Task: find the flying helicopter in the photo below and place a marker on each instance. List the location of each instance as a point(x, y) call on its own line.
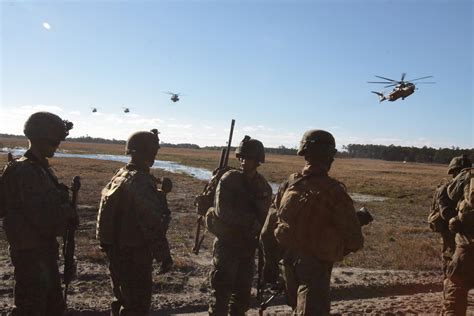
point(402, 88)
point(126, 110)
point(94, 110)
point(174, 96)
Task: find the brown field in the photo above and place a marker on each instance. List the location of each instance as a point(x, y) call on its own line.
point(398, 239)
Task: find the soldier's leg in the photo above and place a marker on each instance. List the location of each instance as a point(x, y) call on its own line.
point(460, 280)
point(241, 292)
point(291, 283)
point(314, 278)
point(115, 282)
point(55, 299)
point(222, 278)
point(36, 285)
point(449, 246)
point(136, 281)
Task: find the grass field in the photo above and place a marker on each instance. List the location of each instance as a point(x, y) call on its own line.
point(399, 238)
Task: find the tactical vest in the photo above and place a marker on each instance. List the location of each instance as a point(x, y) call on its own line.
point(3, 174)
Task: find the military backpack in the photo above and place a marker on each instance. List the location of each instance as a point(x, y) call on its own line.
point(436, 222)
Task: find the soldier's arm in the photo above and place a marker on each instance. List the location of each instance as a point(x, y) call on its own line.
point(43, 205)
point(345, 219)
point(447, 207)
point(152, 213)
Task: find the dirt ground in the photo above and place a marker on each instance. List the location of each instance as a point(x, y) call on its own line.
point(397, 273)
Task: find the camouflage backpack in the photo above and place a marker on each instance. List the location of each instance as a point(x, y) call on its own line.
point(436, 222)
point(205, 200)
point(109, 215)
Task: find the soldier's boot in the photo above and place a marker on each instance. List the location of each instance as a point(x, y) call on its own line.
point(455, 298)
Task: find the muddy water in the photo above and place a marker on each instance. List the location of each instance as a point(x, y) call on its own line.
point(174, 167)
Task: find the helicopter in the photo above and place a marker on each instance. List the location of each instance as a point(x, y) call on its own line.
point(94, 110)
point(174, 96)
point(126, 110)
point(402, 88)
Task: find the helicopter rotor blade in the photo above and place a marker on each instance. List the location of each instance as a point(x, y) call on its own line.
point(378, 82)
point(403, 76)
point(429, 82)
point(421, 78)
point(391, 85)
point(386, 79)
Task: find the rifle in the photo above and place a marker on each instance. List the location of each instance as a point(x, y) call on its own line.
point(265, 304)
point(260, 273)
point(9, 157)
point(223, 161)
point(69, 241)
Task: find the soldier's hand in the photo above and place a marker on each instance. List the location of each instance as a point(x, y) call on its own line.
point(166, 265)
point(455, 225)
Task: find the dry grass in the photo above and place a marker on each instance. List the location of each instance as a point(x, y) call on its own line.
point(399, 237)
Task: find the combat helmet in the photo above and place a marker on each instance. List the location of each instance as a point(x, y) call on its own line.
point(142, 142)
point(46, 125)
point(317, 141)
point(251, 149)
point(459, 163)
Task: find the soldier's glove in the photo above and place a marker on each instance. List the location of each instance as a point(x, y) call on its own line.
point(364, 216)
point(166, 265)
point(455, 225)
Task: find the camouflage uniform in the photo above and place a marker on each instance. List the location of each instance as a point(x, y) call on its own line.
point(240, 208)
point(37, 211)
point(316, 226)
point(133, 237)
point(460, 271)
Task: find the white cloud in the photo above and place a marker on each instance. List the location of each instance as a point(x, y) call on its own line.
point(75, 113)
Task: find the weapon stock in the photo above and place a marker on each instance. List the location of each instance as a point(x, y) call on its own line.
point(223, 161)
point(69, 240)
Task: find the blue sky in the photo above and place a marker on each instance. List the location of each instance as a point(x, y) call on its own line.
point(277, 67)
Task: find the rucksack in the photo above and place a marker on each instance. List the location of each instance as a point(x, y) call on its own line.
point(109, 214)
point(205, 200)
point(436, 222)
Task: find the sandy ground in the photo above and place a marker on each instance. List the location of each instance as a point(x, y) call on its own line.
point(185, 290)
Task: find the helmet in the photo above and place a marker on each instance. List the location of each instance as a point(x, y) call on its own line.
point(251, 149)
point(143, 142)
point(317, 140)
point(459, 163)
point(46, 125)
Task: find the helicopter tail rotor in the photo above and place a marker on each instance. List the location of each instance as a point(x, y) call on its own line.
point(381, 96)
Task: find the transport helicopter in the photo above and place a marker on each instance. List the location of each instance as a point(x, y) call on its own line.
point(94, 110)
point(126, 110)
point(174, 96)
point(402, 88)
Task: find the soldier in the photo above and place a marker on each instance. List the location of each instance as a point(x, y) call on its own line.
point(316, 225)
point(460, 272)
point(132, 222)
point(37, 210)
point(241, 205)
point(443, 209)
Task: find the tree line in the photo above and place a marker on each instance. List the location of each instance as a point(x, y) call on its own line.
point(383, 152)
point(409, 154)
